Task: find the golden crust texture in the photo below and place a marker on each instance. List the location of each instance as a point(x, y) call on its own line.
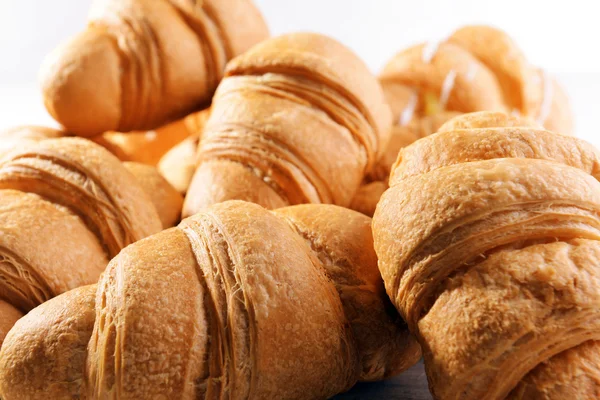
point(477, 68)
point(23, 135)
point(140, 64)
point(66, 207)
point(166, 199)
point(258, 304)
point(298, 119)
point(488, 243)
point(148, 147)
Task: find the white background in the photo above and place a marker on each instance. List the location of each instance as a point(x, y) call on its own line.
point(561, 36)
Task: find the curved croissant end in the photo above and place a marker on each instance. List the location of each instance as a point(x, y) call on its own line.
point(261, 143)
point(489, 245)
point(66, 207)
point(140, 64)
point(233, 302)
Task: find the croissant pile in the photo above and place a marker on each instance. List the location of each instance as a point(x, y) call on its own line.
point(224, 214)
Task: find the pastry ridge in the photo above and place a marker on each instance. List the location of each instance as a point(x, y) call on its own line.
point(491, 231)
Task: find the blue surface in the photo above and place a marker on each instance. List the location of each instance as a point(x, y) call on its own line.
point(411, 385)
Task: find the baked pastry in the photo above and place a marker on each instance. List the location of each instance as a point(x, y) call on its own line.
point(376, 182)
point(13, 137)
point(477, 68)
point(166, 199)
point(67, 206)
point(286, 304)
point(488, 243)
point(148, 147)
point(179, 164)
point(261, 143)
point(140, 64)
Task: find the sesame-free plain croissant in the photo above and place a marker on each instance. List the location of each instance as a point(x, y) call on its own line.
point(27, 134)
point(67, 206)
point(297, 119)
point(142, 63)
point(164, 196)
point(178, 165)
point(489, 245)
point(236, 302)
point(477, 68)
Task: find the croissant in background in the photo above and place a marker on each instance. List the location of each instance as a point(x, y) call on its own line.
point(488, 243)
point(140, 64)
point(477, 68)
point(298, 119)
point(67, 206)
point(237, 302)
point(166, 199)
point(179, 164)
point(148, 147)
point(22, 135)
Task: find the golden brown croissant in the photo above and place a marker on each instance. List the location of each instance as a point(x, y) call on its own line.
point(166, 199)
point(148, 147)
point(21, 135)
point(141, 63)
point(477, 68)
point(237, 302)
point(298, 119)
point(488, 243)
point(66, 207)
point(179, 164)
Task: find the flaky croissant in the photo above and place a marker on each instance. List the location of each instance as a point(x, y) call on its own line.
point(488, 243)
point(141, 63)
point(298, 119)
point(179, 164)
point(20, 135)
point(237, 302)
point(164, 196)
point(66, 207)
point(477, 68)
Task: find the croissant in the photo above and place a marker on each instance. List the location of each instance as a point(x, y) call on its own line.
point(10, 138)
point(165, 198)
point(488, 243)
point(477, 68)
point(179, 164)
point(376, 182)
point(237, 302)
point(140, 63)
point(66, 207)
point(298, 119)
point(148, 147)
